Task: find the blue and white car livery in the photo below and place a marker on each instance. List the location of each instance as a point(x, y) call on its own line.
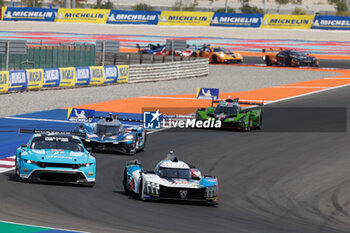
point(54, 157)
point(171, 179)
point(108, 133)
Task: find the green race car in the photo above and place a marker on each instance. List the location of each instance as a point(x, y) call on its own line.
point(232, 115)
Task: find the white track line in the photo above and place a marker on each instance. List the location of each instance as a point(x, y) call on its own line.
point(300, 87)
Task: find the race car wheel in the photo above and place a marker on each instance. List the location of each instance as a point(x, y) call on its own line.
point(250, 125)
point(268, 61)
point(214, 59)
point(131, 150)
point(17, 170)
point(287, 62)
point(144, 141)
point(260, 122)
point(194, 55)
point(126, 190)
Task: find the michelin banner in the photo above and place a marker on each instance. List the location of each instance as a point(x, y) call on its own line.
point(51, 78)
point(97, 75)
point(236, 20)
point(111, 74)
point(287, 21)
point(133, 17)
point(35, 78)
point(123, 73)
point(17, 80)
point(331, 22)
point(186, 18)
point(82, 15)
point(82, 76)
point(31, 14)
point(4, 81)
point(67, 77)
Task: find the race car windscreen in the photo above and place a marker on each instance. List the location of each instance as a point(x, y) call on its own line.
point(57, 142)
point(220, 50)
point(103, 129)
point(233, 109)
point(179, 173)
point(297, 53)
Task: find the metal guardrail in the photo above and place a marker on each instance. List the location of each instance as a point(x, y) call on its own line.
point(168, 71)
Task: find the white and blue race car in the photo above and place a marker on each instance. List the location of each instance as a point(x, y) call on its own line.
point(52, 156)
point(171, 179)
point(109, 134)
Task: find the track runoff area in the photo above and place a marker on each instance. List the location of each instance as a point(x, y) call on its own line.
point(132, 107)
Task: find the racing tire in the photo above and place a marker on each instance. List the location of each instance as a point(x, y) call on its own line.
point(126, 190)
point(131, 150)
point(268, 61)
point(260, 122)
point(287, 62)
point(194, 55)
point(144, 142)
point(250, 126)
point(214, 59)
point(17, 172)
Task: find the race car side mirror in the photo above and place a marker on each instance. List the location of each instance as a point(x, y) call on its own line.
point(24, 146)
point(89, 149)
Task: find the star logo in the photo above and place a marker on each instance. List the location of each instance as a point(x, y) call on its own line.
point(151, 120)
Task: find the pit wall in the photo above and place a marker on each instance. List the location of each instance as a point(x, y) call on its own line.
point(182, 18)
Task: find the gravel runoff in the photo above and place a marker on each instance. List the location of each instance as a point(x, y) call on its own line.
point(187, 31)
point(227, 78)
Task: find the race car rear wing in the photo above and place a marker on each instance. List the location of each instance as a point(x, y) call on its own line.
point(112, 117)
point(236, 100)
point(272, 50)
point(49, 131)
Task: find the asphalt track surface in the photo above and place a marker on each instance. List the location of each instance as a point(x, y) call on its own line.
point(269, 182)
point(324, 63)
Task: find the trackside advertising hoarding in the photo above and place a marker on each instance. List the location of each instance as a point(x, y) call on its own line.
point(17, 80)
point(35, 78)
point(331, 22)
point(185, 18)
point(51, 77)
point(82, 15)
point(82, 76)
point(133, 17)
point(236, 20)
point(67, 77)
point(4, 81)
point(287, 21)
point(28, 14)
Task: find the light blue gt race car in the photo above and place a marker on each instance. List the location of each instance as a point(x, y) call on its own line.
point(57, 157)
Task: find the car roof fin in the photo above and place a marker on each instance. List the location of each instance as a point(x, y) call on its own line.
point(171, 156)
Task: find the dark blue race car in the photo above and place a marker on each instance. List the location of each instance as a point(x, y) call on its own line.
point(109, 134)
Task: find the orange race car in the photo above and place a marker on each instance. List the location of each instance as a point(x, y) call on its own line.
point(217, 54)
point(288, 57)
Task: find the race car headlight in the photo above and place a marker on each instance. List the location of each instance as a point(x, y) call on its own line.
point(32, 162)
point(129, 137)
point(152, 188)
point(211, 191)
point(238, 54)
point(222, 55)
